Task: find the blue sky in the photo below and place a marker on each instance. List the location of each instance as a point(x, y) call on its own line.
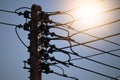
point(13, 53)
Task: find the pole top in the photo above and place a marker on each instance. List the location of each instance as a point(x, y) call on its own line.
point(36, 7)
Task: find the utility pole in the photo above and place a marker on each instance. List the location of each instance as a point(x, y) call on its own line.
point(35, 47)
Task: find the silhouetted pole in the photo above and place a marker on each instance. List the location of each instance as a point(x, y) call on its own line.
point(35, 70)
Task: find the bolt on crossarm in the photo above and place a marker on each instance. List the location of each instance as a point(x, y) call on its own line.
point(35, 71)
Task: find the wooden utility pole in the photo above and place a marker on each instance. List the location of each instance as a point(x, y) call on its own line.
point(35, 47)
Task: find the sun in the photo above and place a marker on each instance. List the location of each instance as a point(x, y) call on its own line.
point(89, 15)
point(88, 12)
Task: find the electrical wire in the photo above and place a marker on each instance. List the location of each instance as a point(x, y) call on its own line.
point(111, 42)
point(101, 13)
point(63, 72)
point(74, 53)
point(94, 60)
point(118, 76)
point(95, 55)
point(92, 47)
point(68, 33)
point(60, 13)
point(96, 37)
point(20, 38)
point(104, 12)
point(59, 37)
point(64, 38)
point(97, 49)
point(93, 72)
point(19, 13)
point(102, 38)
point(98, 61)
point(71, 47)
point(22, 8)
point(9, 24)
point(58, 61)
point(67, 38)
point(108, 11)
point(65, 52)
point(99, 26)
point(87, 5)
point(65, 25)
point(16, 26)
point(2, 10)
point(64, 75)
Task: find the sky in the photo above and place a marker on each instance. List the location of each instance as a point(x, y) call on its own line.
point(13, 53)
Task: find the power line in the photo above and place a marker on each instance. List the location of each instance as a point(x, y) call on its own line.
point(94, 72)
point(7, 11)
point(53, 48)
point(2, 10)
point(22, 8)
point(95, 55)
point(103, 52)
point(9, 24)
point(16, 26)
point(20, 38)
point(74, 53)
point(64, 75)
point(104, 12)
point(92, 59)
point(102, 38)
point(70, 27)
point(94, 27)
point(87, 5)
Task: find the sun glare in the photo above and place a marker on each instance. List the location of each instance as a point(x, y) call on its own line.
point(88, 14)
